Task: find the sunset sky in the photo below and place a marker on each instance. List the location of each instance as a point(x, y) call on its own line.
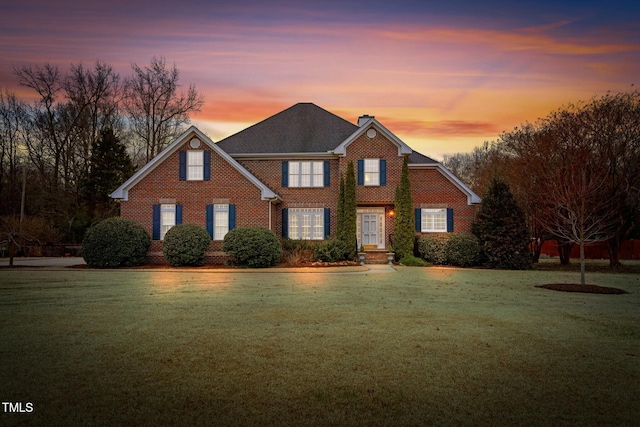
point(444, 76)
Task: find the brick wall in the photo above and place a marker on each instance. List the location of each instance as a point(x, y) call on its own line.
point(430, 188)
point(226, 183)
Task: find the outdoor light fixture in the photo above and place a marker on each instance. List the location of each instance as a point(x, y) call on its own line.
point(392, 213)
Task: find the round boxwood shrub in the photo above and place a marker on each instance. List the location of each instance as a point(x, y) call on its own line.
point(432, 248)
point(462, 250)
point(185, 244)
point(115, 242)
point(252, 246)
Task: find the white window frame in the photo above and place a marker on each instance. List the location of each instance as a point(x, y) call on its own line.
point(372, 172)
point(195, 165)
point(306, 223)
point(433, 220)
point(167, 218)
point(306, 174)
point(220, 220)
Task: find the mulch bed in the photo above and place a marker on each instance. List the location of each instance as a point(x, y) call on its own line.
point(588, 289)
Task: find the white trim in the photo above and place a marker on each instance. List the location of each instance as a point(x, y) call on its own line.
point(122, 192)
point(373, 123)
point(472, 197)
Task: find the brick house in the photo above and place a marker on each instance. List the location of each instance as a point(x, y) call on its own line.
point(283, 174)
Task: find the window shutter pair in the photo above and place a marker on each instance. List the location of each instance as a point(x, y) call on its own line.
point(210, 219)
point(382, 169)
point(418, 213)
point(157, 221)
point(206, 173)
point(326, 169)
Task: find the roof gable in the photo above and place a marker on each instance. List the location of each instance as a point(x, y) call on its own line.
point(302, 128)
point(122, 192)
point(403, 149)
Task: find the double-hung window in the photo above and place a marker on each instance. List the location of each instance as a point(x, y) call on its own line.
point(371, 171)
point(221, 218)
point(167, 218)
point(306, 223)
point(435, 220)
point(306, 174)
point(220, 221)
point(195, 165)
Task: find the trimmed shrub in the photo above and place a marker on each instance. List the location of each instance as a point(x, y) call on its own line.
point(332, 251)
point(457, 249)
point(413, 261)
point(115, 242)
point(432, 248)
point(462, 250)
point(185, 244)
point(253, 246)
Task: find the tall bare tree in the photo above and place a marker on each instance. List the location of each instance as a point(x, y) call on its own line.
point(156, 109)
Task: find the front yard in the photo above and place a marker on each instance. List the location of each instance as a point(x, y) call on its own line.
point(418, 346)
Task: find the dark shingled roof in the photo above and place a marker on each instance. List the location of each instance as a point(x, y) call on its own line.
point(302, 128)
point(417, 158)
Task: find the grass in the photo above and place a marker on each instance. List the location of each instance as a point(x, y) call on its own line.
point(420, 346)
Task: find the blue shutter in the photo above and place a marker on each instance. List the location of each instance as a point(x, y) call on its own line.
point(206, 173)
point(285, 222)
point(178, 214)
point(182, 173)
point(418, 220)
point(210, 220)
point(156, 222)
point(327, 222)
point(327, 171)
point(383, 172)
point(360, 171)
point(449, 220)
point(285, 173)
point(232, 217)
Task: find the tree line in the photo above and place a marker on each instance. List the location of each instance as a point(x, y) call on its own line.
point(86, 132)
point(575, 173)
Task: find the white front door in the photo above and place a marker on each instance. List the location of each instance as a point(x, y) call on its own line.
point(370, 229)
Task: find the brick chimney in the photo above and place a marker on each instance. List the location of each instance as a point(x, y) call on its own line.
point(363, 119)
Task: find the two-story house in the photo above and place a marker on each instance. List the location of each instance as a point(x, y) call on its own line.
point(283, 174)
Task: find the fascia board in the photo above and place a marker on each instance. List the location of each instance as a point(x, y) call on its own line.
point(122, 192)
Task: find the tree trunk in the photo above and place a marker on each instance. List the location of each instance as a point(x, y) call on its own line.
point(582, 263)
point(564, 250)
point(614, 252)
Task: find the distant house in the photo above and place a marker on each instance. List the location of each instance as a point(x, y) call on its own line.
point(283, 174)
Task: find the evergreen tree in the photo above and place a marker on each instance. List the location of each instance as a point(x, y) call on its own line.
point(340, 224)
point(404, 221)
point(502, 230)
point(350, 208)
point(110, 166)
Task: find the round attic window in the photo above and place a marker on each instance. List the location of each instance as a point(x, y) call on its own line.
point(194, 143)
point(371, 133)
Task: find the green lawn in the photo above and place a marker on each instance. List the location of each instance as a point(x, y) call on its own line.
point(420, 346)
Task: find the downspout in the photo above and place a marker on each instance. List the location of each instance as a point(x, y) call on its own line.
point(270, 215)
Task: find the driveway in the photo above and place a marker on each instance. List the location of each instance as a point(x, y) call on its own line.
point(43, 261)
